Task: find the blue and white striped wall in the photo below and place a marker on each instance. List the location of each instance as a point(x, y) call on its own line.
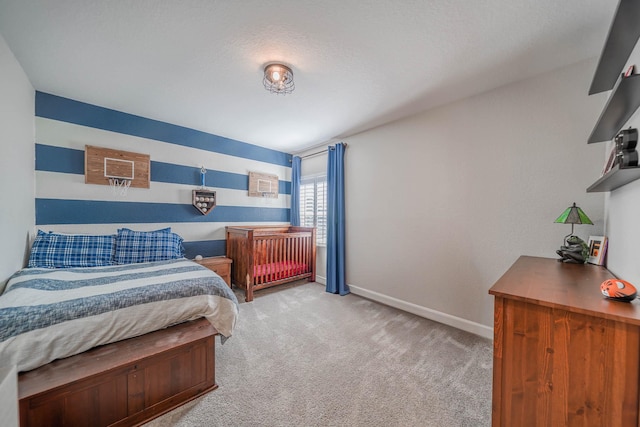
point(64, 203)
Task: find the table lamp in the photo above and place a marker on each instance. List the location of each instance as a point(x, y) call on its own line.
point(573, 215)
point(574, 249)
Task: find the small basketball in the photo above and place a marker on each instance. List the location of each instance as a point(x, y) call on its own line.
point(618, 289)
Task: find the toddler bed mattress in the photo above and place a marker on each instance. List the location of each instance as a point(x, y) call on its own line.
point(48, 314)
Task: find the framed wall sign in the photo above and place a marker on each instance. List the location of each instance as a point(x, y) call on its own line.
point(263, 185)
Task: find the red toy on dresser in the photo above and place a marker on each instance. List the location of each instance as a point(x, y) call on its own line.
point(619, 290)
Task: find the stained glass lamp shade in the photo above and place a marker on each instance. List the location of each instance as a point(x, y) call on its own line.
point(573, 215)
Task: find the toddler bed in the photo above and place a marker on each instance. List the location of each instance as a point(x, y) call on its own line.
point(86, 334)
point(269, 256)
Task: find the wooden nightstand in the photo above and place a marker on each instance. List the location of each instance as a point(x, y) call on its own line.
point(220, 265)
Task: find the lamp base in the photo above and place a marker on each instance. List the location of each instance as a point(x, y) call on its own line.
point(574, 251)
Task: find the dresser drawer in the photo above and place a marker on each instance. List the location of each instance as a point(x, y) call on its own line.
point(220, 265)
point(222, 270)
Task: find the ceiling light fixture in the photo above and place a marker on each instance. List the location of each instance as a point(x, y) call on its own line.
point(278, 79)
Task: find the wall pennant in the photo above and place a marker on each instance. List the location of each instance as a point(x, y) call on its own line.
point(203, 200)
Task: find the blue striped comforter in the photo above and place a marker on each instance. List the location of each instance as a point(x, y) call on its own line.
point(49, 314)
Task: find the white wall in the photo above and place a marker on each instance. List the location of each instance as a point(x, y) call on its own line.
point(16, 163)
point(439, 205)
point(315, 165)
point(623, 213)
point(623, 230)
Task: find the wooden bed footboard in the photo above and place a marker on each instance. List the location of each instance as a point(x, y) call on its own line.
point(269, 256)
point(122, 384)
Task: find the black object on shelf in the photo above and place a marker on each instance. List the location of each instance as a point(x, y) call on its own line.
point(621, 105)
point(625, 148)
point(622, 38)
point(627, 139)
point(616, 177)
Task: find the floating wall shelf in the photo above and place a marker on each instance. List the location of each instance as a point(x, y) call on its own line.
point(621, 105)
point(622, 38)
point(616, 177)
point(625, 98)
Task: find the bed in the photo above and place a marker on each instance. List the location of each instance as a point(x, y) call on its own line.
point(269, 256)
point(114, 344)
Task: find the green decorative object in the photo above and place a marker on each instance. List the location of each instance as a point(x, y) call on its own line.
point(574, 250)
point(573, 215)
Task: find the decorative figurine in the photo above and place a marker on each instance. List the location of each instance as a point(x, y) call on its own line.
point(575, 251)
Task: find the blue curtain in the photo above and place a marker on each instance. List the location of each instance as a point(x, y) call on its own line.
point(336, 278)
point(295, 191)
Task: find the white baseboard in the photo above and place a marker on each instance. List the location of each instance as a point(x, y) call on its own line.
point(320, 279)
point(438, 316)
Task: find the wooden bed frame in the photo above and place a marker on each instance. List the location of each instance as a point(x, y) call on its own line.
point(122, 384)
point(269, 256)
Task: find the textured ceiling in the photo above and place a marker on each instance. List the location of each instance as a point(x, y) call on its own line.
point(357, 64)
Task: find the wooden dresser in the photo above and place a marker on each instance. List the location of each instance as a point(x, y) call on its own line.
point(563, 354)
point(220, 265)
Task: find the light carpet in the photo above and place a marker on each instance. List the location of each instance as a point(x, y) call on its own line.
point(302, 357)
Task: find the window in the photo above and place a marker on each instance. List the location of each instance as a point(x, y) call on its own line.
point(313, 206)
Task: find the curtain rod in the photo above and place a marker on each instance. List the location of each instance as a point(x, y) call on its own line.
point(320, 152)
point(314, 154)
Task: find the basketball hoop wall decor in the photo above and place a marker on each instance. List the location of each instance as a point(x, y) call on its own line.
point(116, 168)
point(203, 200)
point(263, 185)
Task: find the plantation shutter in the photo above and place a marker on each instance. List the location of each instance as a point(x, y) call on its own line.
point(321, 211)
point(307, 204)
point(313, 206)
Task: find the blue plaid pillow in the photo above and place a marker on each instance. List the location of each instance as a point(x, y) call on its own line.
point(147, 246)
point(51, 250)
